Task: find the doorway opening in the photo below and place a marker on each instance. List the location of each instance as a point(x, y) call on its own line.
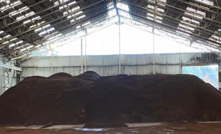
point(208, 73)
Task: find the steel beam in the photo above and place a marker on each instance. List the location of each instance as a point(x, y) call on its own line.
point(11, 67)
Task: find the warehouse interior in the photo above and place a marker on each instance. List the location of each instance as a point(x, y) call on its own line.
point(154, 39)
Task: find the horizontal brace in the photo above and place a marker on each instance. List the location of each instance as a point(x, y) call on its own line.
point(11, 67)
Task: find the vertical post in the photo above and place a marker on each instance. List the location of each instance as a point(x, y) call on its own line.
point(119, 47)
point(51, 60)
point(219, 87)
point(180, 61)
point(81, 56)
point(154, 57)
point(154, 72)
point(85, 56)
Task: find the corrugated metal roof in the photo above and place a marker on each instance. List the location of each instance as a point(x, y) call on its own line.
point(26, 25)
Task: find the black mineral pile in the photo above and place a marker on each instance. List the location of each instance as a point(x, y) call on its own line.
point(109, 101)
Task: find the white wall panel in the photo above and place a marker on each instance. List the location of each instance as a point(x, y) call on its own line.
point(171, 69)
point(107, 65)
point(161, 69)
point(60, 61)
point(130, 60)
point(141, 70)
point(111, 70)
point(130, 70)
point(75, 60)
point(144, 59)
point(161, 58)
point(110, 60)
point(95, 61)
point(173, 59)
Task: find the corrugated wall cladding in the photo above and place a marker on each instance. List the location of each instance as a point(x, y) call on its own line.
point(11, 77)
point(1, 76)
point(109, 65)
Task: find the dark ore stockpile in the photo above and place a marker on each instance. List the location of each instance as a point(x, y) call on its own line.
point(109, 101)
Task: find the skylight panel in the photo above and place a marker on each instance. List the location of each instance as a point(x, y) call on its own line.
point(71, 11)
point(46, 26)
point(38, 29)
point(52, 34)
point(78, 13)
point(60, 1)
point(25, 16)
point(150, 6)
point(26, 22)
point(67, 5)
point(73, 15)
point(36, 18)
point(150, 18)
point(160, 10)
point(195, 13)
point(78, 27)
point(5, 8)
point(42, 33)
point(46, 31)
point(159, 21)
point(216, 36)
point(25, 8)
point(150, 14)
point(123, 6)
point(164, 1)
point(6, 42)
point(152, 1)
point(207, 2)
point(38, 24)
point(19, 42)
point(38, 46)
point(81, 17)
point(50, 29)
point(186, 27)
point(183, 29)
point(27, 48)
point(190, 20)
point(20, 18)
point(158, 17)
point(55, 36)
point(13, 13)
point(5, 1)
point(12, 5)
point(13, 39)
point(30, 14)
point(11, 45)
point(87, 23)
point(7, 36)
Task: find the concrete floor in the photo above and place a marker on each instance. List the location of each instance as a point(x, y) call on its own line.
point(146, 128)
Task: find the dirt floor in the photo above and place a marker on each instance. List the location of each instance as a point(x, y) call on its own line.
point(146, 128)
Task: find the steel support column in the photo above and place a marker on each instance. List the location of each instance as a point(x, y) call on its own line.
point(119, 46)
point(82, 56)
point(85, 53)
